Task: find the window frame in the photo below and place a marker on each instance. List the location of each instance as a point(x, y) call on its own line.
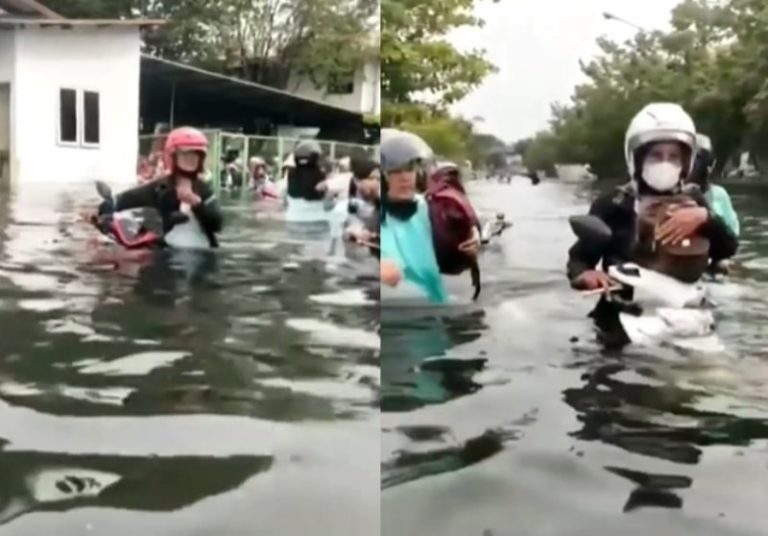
point(79, 141)
point(59, 108)
point(81, 101)
point(333, 83)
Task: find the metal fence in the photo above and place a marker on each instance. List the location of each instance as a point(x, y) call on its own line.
point(226, 145)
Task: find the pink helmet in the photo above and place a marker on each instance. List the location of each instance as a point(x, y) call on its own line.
point(184, 139)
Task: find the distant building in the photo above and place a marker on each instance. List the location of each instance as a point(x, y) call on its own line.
point(358, 91)
point(574, 172)
point(74, 94)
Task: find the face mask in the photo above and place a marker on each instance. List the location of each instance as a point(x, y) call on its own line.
point(661, 176)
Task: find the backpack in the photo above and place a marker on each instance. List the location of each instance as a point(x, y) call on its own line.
point(452, 218)
point(685, 262)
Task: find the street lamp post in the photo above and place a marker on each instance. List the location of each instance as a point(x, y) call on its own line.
point(611, 16)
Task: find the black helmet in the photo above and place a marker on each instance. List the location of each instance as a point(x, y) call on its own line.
point(362, 167)
point(704, 162)
point(307, 152)
point(401, 150)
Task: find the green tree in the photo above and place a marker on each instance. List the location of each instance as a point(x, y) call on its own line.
point(260, 40)
point(417, 58)
point(423, 73)
point(486, 150)
point(709, 63)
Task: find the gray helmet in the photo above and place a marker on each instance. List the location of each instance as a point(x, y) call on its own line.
point(307, 152)
point(401, 149)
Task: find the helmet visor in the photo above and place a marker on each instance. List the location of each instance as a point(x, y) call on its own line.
point(644, 138)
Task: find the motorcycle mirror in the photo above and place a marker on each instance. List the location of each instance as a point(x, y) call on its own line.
point(591, 229)
point(104, 190)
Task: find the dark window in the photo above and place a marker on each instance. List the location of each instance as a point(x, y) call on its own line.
point(92, 132)
point(341, 83)
point(68, 115)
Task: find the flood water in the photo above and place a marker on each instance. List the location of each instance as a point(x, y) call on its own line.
point(233, 393)
point(507, 419)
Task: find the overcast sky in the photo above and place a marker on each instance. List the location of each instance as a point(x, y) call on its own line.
point(537, 44)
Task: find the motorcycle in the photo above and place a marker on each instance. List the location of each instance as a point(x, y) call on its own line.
point(493, 228)
point(130, 233)
point(663, 310)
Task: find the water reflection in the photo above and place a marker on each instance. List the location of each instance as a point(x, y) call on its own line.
point(661, 421)
point(652, 489)
point(188, 373)
point(613, 442)
point(41, 481)
point(417, 374)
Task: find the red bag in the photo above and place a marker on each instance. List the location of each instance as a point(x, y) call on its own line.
point(452, 218)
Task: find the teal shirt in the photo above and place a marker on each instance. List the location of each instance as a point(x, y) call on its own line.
point(720, 203)
point(409, 245)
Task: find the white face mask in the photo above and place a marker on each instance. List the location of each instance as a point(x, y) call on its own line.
point(661, 176)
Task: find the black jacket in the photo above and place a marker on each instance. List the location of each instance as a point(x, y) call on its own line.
point(161, 195)
point(617, 210)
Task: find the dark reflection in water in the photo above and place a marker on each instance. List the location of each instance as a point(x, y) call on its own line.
point(652, 490)
point(631, 416)
point(39, 481)
point(266, 349)
point(413, 465)
point(415, 373)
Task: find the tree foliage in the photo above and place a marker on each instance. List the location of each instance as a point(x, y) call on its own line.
point(714, 62)
point(423, 73)
point(260, 40)
point(418, 59)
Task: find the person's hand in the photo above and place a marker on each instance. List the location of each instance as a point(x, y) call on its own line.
point(472, 246)
point(683, 223)
point(322, 186)
point(185, 194)
point(363, 236)
point(390, 273)
point(593, 280)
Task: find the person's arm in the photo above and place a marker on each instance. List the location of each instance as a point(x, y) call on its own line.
point(727, 212)
point(143, 196)
point(208, 212)
point(723, 242)
point(583, 256)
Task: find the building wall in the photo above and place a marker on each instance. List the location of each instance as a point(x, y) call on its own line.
point(7, 64)
point(106, 60)
point(6, 55)
point(361, 100)
point(371, 95)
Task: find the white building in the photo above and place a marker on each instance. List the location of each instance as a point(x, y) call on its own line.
point(358, 92)
point(69, 96)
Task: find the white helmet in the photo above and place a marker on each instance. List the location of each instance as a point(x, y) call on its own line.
point(703, 143)
point(659, 121)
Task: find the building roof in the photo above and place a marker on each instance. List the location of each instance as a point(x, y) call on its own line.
point(222, 87)
point(20, 13)
point(15, 22)
point(26, 9)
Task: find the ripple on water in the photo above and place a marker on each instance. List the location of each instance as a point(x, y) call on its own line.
point(321, 332)
point(345, 298)
point(621, 442)
point(132, 365)
point(171, 383)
